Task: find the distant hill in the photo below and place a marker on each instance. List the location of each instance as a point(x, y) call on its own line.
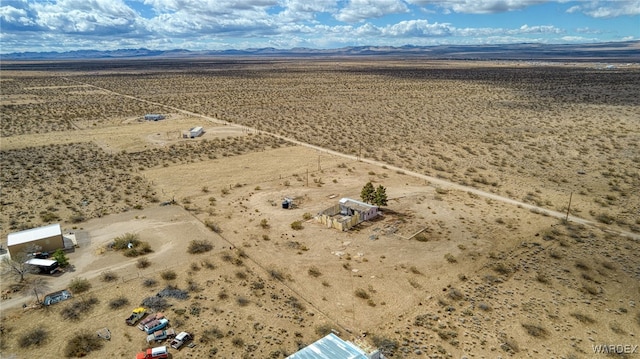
point(612, 52)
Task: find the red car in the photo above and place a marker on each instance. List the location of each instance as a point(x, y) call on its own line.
point(154, 353)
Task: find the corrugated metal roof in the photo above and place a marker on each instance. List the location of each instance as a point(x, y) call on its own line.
point(357, 205)
point(33, 234)
point(330, 347)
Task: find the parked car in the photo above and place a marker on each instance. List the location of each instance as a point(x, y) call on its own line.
point(156, 325)
point(161, 335)
point(154, 353)
point(136, 315)
point(180, 340)
point(149, 319)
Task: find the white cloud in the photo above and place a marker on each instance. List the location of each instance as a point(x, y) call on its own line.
point(360, 10)
point(607, 8)
point(418, 28)
point(478, 6)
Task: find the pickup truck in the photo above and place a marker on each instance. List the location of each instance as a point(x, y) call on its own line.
point(156, 325)
point(154, 353)
point(180, 339)
point(161, 335)
point(149, 319)
point(136, 315)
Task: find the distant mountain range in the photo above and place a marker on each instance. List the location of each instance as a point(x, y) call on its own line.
point(611, 52)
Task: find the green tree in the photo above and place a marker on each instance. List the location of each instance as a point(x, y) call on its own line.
point(61, 258)
point(380, 196)
point(368, 193)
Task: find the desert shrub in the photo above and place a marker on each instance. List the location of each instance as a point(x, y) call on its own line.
point(295, 303)
point(77, 218)
point(82, 344)
point(616, 328)
point(149, 282)
point(307, 216)
point(609, 265)
point(33, 338)
point(211, 334)
point(207, 264)
point(264, 223)
point(583, 318)
point(502, 268)
point(450, 258)
point(143, 263)
point(535, 330)
point(79, 285)
point(484, 306)
point(173, 292)
point(257, 285)
point(421, 237)
point(582, 265)
point(138, 250)
point(241, 275)
point(314, 272)
point(199, 246)
point(361, 293)
point(108, 276)
point(155, 303)
point(605, 218)
point(509, 345)
point(387, 346)
point(168, 274)
point(588, 288)
point(122, 242)
point(242, 301)
point(414, 270)
point(276, 274)
point(213, 226)
point(455, 294)
point(556, 254)
point(119, 302)
point(73, 311)
point(296, 225)
point(542, 278)
point(324, 329)
point(237, 342)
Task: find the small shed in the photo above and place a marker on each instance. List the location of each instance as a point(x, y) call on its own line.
point(153, 117)
point(48, 238)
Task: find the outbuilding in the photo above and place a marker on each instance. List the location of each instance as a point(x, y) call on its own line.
point(47, 239)
point(153, 117)
point(195, 132)
point(347, 213)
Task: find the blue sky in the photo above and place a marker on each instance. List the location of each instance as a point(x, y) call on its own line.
point(66, 25)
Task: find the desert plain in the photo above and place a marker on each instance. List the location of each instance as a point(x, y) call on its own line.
point(511, 229)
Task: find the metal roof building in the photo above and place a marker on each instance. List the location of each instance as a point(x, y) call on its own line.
point(48, 238)
point(332, 347)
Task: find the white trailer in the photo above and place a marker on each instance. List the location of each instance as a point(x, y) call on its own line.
point(195, 132)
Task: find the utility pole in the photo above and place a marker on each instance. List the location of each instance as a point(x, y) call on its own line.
point(569, 207)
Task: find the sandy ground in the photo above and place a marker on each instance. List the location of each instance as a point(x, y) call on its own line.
point(486, 277)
